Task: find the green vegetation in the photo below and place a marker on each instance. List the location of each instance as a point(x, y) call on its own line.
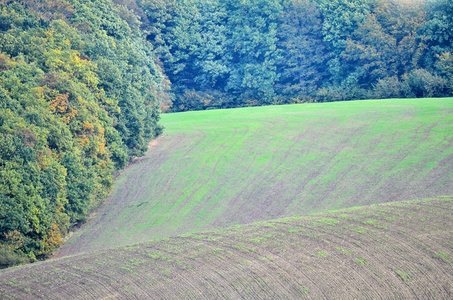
point(77, 87)
point(223, 167)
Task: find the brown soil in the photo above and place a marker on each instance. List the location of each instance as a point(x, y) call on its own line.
point(397, 250)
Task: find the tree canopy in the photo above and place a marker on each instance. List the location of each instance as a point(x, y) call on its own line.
point(238, 53)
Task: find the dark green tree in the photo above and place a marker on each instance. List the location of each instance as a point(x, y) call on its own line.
point(303, 54)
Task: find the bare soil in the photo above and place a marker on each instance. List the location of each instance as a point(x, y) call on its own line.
point(398, 250)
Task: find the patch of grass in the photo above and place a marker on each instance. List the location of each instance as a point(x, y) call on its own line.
point(343, 250)
point(442, 256)
point(372, 222)
point(404, 276)
point(361, 261)
point(259, 240)
point(328, 221)
point(322, 253)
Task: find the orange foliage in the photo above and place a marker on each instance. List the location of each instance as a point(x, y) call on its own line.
point(83, 140)
point(250, 103)
point(165, 106)
point(53, 240)
point(43, 158)
point(102, 150)
point(39, 92)
point(302, 99)
point(60, 105)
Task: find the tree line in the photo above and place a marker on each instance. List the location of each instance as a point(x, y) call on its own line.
point(232, 53)
point(78, 88)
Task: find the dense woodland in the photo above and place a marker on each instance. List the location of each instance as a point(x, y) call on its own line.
point(77, 101)
point(230, 53)
point(82, 83)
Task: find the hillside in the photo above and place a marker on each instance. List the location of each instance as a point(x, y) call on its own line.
point(400, 250)
point(214, 169)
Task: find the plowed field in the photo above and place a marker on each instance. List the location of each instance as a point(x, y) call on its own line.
point(401, 250)
point(214, 169)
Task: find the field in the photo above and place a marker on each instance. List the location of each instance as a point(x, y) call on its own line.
point(400, 250)
point(214, 169)
point(345, 200)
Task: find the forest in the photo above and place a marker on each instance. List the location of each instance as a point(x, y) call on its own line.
point(230, 53)
point(82, 83)
point(78, 100)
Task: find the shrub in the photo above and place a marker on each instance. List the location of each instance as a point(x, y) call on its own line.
point(388, 87)
point(332, 94)
point(10, 258)
point(420, 83)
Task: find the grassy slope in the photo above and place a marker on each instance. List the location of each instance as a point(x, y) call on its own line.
point(217, 168)
point(400, 250)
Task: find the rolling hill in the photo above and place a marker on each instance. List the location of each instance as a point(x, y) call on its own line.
point(399, 250)
point(214, 169)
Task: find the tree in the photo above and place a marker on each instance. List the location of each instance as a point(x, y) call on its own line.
point(252, 39)
point(371, 53)
point(437, 33)
point(340, 19)
point(302, 49)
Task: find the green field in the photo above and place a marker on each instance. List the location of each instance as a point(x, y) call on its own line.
point(214, 169)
